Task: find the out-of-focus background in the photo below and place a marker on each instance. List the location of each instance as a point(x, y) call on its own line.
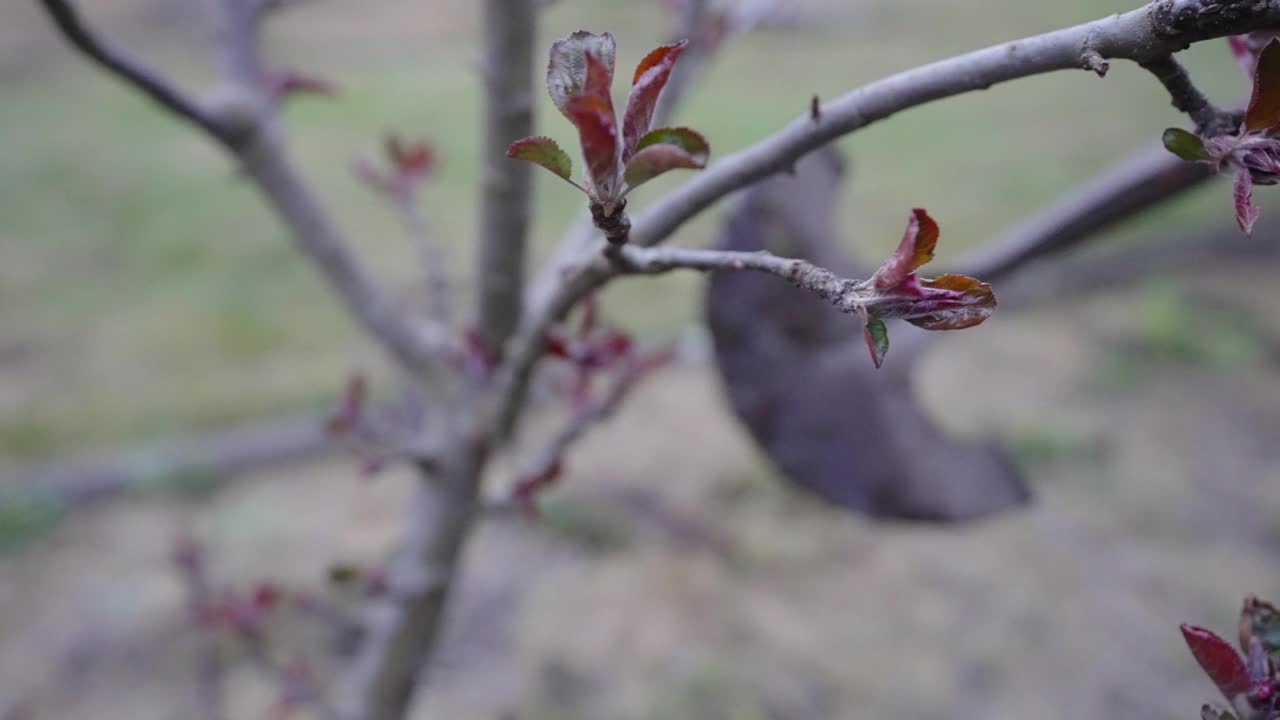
point(147, 295)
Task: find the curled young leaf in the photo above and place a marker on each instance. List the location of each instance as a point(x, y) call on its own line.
point(952, 302)
point(915, 249)
point(1264, 105)
point(1185, 145)
point(598, 134)
point(1242, 194)
point(877, 337)
point(410, 158)
point(651, 76)
point(1219, 660)
point(568, 70)
point(664, 150)
point(1263, 622)
point(545, 152)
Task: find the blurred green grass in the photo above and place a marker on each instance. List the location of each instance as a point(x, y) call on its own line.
point(144, 291)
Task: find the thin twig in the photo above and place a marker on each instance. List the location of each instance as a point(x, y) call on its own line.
point(596, 412)
point(1140, 35)
point(435, 270)
point(1210, 120)
point(842, 293)
point(120, 63)
point(1147, 178)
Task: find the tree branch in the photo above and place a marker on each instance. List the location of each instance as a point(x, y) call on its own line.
point(415, 345)
point(1141, 35)
point(1209, 119)
point(1139, 182)
point(254, 140)
point(402, 626)
point(120, 63)
point(510, 27)
point(693, 27)
point(840, 292)
point(595, 412)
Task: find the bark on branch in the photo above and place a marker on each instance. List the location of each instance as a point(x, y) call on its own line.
point(1187, 98)
point(1143, 35)
point(505, 186)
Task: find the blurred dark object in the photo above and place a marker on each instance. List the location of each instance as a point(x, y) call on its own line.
point(796, 374)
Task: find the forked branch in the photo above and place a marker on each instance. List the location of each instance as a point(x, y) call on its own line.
point(122, 64)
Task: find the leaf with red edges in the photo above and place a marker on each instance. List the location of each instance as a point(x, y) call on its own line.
point(1218, 659)
point(651, 76)
point(1242, 54)
point(568, 70)
point(1242, 194)
point(667, 149)
point(598, 133)
point(1264, 105)
point(915, 249)
point(545, 152)
point(953, 302)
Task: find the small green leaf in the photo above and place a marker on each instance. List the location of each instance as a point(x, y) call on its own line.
point(664, 150)
point(545, 152)
point(691, 141)
point(1185, 145)
point(877, 337)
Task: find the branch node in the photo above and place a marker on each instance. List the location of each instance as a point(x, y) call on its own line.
point(1186, 97)
point(1092, 60)
point(613, 222)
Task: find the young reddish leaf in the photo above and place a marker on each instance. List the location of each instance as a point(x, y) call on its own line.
point(915, 249)
point(1241, 52)
point(691, 141)
point(545, 152)
point(953, 302)
point(265, 596)
point(286, 83)
point(1184, 144)
point(1218, 659)
point(655, 160)
point(877, 337)
point(568, 69)
point(666, 149)
point(1264, 105)
point(351, 411)
point(410, 158)
point(526, 491)
point(651, 76)
point(598, 133)
point(1242, 193)
point(559, 346)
